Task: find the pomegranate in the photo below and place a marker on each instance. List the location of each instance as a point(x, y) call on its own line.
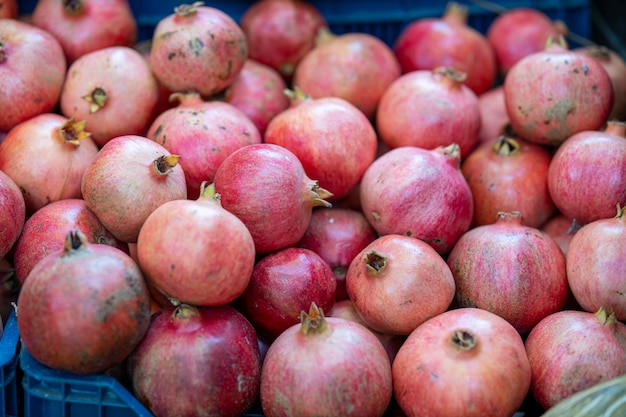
point(519, 32)
point(337, 235)
point(333, 140)
point(203, 133)
point(509, 175)
point(211, 351)
point(552, 94)
point(471, 361)
point(596, 266)
point(281, 32)
point(357, 67)
point(89, 302)
point(419, 193)
point(510, 269)
point(114, 90)
point(310, 363)
point(84, 26)
point(398, 282)
point(8, 9)
point(570, 351)
point(62, 149)
point(266, 186)
point(429, 108)
point(129, 178)
point(197, 48)
point(258, 91)
point(494, 120)
point(32, 69)
point(45, 230)
point(428, 43)
point(12, 213)
point(183, 271)
point(587, 174)
point(562, 230)
point(283, 284)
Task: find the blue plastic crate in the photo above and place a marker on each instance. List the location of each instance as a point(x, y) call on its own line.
point(9, 353)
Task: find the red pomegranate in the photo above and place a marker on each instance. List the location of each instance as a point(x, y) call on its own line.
point(32, 69)
point(429, 108)
point(552, 94)
point(509, 269)
point(8, 9)
point(587, 174)
point(428, 43)
point(89, 302)
point(12, 213)
point(419, 193)
point(197, 48)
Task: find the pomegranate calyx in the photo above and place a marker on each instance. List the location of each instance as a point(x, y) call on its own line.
point(73, 132)
point(97, 98)
point(165, 163)
point(621, 212)
point(207, 192)
point(313, 322)
point(456, 13)
point(75, 240)
point(463, 339)
point(616, 127)
point(186, 10)
point(185, 97)
point(3, 52)
point(319, 195)
point(450, 76)
point(510, 217)
point(505, 146)
point(74, 7)
point(324, 34)
point(375, 263)
point(573, 228)
point(606, 316)
point(296, 95)
point(559, 44)
point(185, 311)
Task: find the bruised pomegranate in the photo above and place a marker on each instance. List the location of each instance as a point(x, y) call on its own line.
point(310, 363)
point(509, 269)
point(62, 149)
point(203, 133)
point(89, 302)
point(197, 48)
point(12, 213)
point(266, 186)
point(32, 70)
point(210, 351)
point(418, 193)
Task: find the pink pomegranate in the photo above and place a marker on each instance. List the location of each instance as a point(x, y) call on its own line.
point(509, 269)
point(113, 89)
point(428, 43)
point(494, 119)
point(197, 48)
point(212, 351)
point(429, 108)
point(570, 351)
point(587, 174)
point(357, 67)
point(333, 140)
point(32, 69)
point(12, 213)
point(203, 133)
point(129, 178)
point(562, 230)
point(281, 32)
point(259, 92)
point(398, 282)
point(62, 149)
point(89, 302)
point(310, 363)
point(266, 186)
point(45, 231)
point(418, 193)
point(552, 94)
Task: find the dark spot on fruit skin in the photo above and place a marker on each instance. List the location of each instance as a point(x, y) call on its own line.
point(158, 131)
point(171, 56)
point(585, 69)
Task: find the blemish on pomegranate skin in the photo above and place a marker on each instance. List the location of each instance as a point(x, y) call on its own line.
point(585, 69)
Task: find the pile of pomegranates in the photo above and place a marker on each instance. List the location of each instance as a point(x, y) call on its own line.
point(315, 223)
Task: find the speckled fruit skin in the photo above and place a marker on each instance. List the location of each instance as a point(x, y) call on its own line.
point(570, 351)
point(512, 270)
point(212, 351)
point(201, 49)
point(341, 371)
point(553, 94)
point(12, 213)
point(438, 360)
point(83, 309)
point(32, 71)
point(398, 282)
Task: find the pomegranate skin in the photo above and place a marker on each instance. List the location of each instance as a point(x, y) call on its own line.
point(570, 351)
point(211, 350)
point(509, 269)
point(596, 265)
point(8, 9)
point(562, 230)
point(32, 69)
point(587, 174)
point(493, 116)
point(12, 213)
point(419, 193)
